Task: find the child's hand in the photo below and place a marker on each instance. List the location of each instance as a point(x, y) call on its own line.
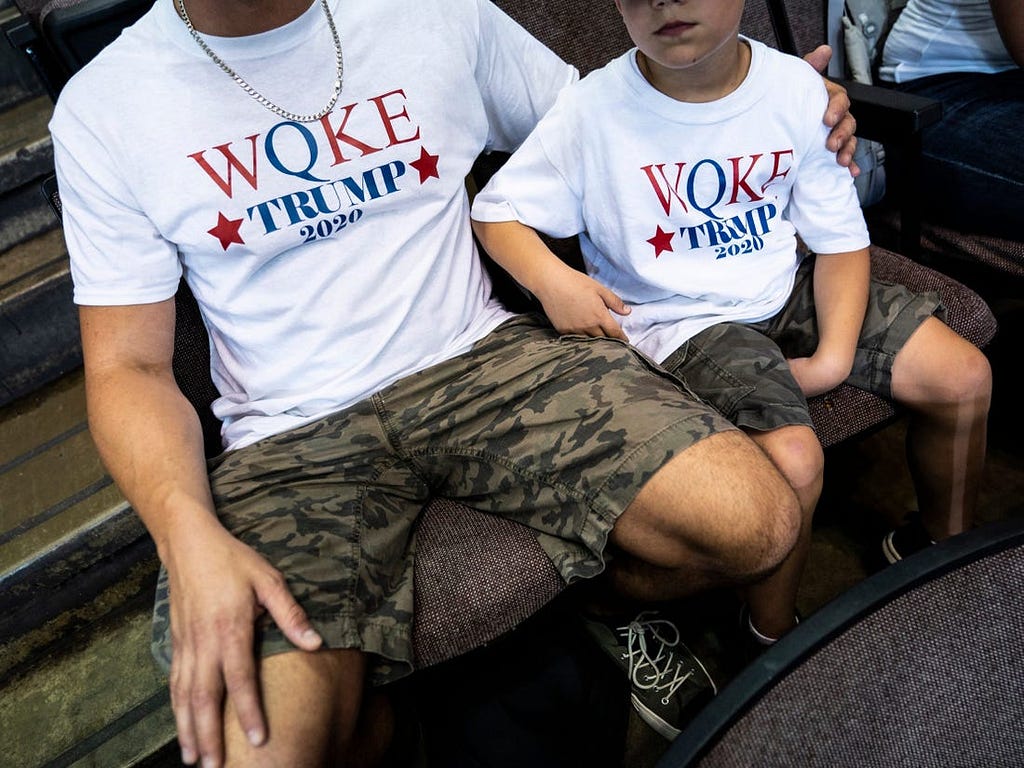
point(576, 303)
point(819, 373)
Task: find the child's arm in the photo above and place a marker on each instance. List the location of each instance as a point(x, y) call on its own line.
point(573, 301)
point(841, 298)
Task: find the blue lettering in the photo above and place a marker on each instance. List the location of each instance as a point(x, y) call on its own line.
point(275, 160)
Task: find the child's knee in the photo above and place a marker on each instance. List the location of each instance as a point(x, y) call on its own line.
point(797, 453)
point(976, 377)
point(967, 379)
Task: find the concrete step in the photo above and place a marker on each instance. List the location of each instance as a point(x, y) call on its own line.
point(26, 151)
point(39, 339)
point(77, 572)
point(38, 321)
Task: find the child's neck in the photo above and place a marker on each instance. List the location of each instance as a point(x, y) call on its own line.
point(709, 80)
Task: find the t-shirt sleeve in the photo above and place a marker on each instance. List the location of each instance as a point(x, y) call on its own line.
point(117, 255)
point(824, 207)
point(519, 77)
point(538, 186)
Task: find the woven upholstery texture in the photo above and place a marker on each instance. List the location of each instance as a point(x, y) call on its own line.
point(586, 34)
point(941, 243)
point(477, 576)
point(806, 23)
point(31, 8)
point(933, 679)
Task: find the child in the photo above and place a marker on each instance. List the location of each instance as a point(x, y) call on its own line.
point(687, 166)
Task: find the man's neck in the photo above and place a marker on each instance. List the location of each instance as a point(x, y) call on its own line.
point(237, 18)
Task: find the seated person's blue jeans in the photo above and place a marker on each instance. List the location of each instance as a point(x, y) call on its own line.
point(973, 165)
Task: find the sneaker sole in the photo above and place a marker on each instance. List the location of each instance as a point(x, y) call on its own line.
point(663, 728)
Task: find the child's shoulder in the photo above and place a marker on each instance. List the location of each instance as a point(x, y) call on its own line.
point(794, 70)
point(605, 79)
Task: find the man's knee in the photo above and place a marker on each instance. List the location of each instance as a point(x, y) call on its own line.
point(766, 535)
point(720, 506)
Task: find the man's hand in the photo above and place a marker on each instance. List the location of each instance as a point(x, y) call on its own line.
point(218, 588)
point(577, 303)
point(837, 115)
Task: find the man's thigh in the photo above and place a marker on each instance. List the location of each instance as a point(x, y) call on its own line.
point(332, 508)
point(559, 433)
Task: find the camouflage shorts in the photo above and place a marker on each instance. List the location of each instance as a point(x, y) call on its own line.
point(556, 433)
point(741, 369)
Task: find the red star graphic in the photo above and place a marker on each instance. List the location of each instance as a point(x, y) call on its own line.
point(662, 242)
point(426, 165)
point(227, 231)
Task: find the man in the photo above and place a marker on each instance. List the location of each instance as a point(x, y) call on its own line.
point(303, 166)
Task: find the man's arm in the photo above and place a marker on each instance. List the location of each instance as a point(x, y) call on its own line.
point(840, 298)
point(1009, 16)
point(573, 301)
point(149, 438)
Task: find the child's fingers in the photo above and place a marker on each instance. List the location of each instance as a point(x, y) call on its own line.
point(613, 302)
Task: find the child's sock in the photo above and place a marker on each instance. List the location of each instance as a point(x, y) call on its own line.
point(757, 635)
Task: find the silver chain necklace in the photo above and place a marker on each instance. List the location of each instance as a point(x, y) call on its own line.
point(259, 96)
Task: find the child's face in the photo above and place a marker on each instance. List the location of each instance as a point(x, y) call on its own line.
point(678, 34)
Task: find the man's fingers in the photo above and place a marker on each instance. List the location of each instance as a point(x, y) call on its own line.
point(243, 692)
point(273, 595)
point(819, 58)
point(206, 700)
point(180, 683)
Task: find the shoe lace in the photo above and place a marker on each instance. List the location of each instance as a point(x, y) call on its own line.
point(653, 664)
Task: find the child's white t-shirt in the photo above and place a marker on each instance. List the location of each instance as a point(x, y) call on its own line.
point(687, 211)
point(329, 258)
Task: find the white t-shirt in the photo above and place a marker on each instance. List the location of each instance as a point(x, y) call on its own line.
point(687, 211)
point(329, 258)
point(932, 37)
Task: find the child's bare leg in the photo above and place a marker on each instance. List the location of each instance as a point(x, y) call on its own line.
point(798, 456)
point(946, 382)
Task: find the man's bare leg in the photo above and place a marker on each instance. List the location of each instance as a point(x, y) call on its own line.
point(312, 703)
point(797, 454)
point(719, 513)
point(946, 382)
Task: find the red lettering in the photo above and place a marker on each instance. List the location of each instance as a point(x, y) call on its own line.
point(777, 172)
point(738, 181)
point(388, 119)
point(226, 184)
point(667, 192)
point(336, 137)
